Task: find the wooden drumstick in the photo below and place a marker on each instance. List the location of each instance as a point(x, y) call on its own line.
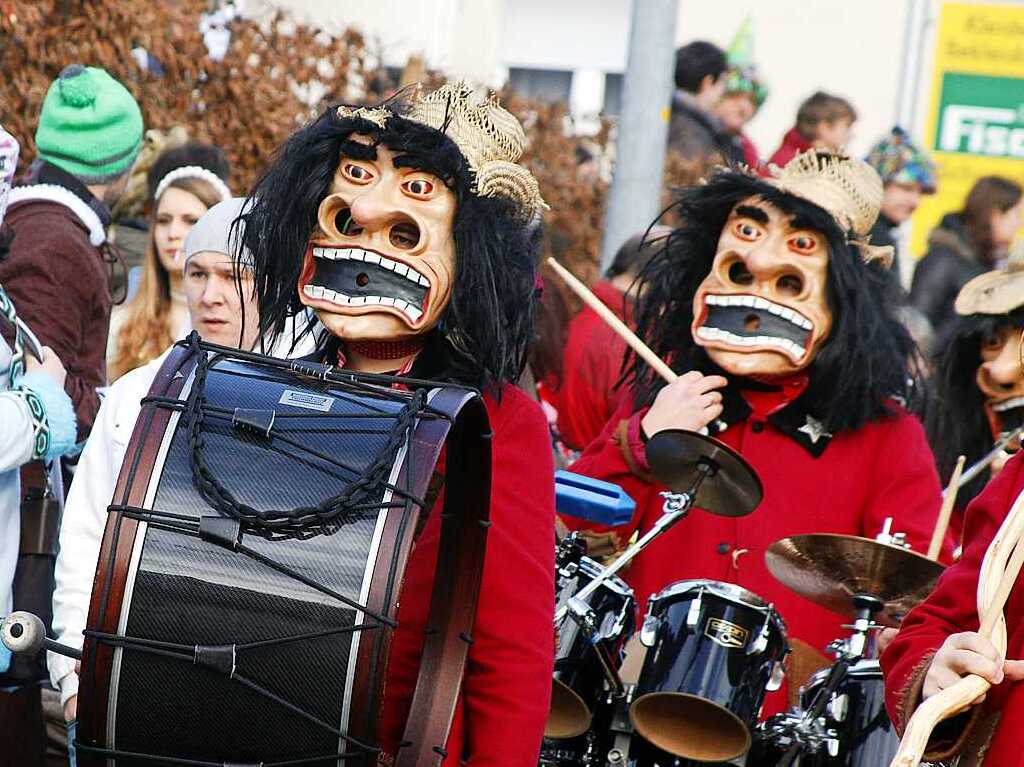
point(999, 572)
point(946, 510)
point(606, 314)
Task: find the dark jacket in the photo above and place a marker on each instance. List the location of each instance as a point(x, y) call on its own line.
point(697, 135)
point(950, 262)
point(57, 278)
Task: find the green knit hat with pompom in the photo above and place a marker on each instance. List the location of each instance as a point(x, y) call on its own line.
point(90, 125)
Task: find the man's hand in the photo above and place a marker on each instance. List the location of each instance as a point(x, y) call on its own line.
point(690, 403)
point(968, 653)
point(51, 366)
point(71, 705)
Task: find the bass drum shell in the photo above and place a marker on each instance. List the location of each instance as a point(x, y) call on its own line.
point(704, 679)
point(579, 680)
point(857, 714)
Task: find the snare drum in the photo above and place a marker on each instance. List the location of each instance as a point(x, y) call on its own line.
point(716, 649)
point(864, 736)
point(585, 660)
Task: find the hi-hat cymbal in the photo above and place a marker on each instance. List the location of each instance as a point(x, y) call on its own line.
point(831, 570)
point(732, 489)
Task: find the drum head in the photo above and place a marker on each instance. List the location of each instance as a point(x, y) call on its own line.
point(690, 727)
point(569, 715)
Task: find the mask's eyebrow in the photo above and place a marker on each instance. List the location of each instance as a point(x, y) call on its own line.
point(753, 213)
point(357, 150)
point(798, 221)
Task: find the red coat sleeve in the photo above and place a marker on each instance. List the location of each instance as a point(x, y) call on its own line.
point(604, 459)
point(907, 490)
point(950, 608)
point(507, 686)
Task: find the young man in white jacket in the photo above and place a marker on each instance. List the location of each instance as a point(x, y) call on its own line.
point(216, 310)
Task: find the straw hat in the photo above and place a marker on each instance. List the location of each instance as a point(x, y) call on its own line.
point(848, 189)
point(996, 292)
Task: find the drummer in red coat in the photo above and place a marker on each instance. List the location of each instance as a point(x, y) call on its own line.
point(767, 302)
point(938, 643)
point(411, 232)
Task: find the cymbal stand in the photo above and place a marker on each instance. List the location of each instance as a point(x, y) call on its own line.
point(676, 506)
point(807, 729)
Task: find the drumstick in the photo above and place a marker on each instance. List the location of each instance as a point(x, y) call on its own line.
point(946, 510)
point(606, 314)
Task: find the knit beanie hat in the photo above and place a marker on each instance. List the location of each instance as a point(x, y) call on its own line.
point(90, 125)
point(899, 160)
point(217, 232)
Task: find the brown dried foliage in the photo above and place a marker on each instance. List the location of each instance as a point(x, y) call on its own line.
point(244, 104)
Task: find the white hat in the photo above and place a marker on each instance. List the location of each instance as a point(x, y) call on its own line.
point(216, 231)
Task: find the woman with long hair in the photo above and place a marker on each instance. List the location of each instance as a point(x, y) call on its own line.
point(185, 183)
point(964, 245)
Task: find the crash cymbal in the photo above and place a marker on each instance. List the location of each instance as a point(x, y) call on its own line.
point(830, 570)
point(732, 489)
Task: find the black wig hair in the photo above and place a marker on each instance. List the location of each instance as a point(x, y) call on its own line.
point(862, 366)
point(485, 331)
point(955, 417)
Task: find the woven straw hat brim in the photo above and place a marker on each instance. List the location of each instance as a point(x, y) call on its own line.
point(997, 292)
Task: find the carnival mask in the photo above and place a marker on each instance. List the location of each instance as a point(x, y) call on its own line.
point(1001, 378)
point(379, 266)
point(762, 310)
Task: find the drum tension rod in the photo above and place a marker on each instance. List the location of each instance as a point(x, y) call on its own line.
point(254, 421)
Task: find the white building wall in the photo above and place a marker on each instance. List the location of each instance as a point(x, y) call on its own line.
point(850, 48)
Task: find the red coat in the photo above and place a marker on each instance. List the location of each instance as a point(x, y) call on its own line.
point(884, 469)
point(593, 355)
point(792, 145)
point(506, 689)
point(952, 608)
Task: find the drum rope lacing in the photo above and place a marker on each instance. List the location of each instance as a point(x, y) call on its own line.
point(301, 523)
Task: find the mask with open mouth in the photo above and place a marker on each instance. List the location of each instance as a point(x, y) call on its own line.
point(379, 266)
point(762, 310)
point(1000, 378)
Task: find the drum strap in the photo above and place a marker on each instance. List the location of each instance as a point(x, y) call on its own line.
point(460, 563)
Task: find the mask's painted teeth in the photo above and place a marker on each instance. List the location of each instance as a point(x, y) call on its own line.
point(784, 344)
point(1009, 404)
point(756, 302)
point(358, 254)
point(326, 294)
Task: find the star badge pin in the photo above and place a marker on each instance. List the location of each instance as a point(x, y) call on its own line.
point(814, 429)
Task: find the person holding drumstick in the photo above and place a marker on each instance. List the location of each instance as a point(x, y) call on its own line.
point(769, 304)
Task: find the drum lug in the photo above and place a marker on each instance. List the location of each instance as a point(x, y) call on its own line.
point(838, 707)
point(832, 744)
point(778, 674)
point(693, 614)
point(760, 644)
point(649, 631)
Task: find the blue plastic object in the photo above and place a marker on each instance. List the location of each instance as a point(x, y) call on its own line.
point(597, 501)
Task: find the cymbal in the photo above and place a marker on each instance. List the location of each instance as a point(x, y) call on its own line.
point(831, 569)
point(732, 489)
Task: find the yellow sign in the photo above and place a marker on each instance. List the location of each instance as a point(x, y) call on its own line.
point(976, 120)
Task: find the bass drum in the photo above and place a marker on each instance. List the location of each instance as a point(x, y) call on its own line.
point(247, 584)
point(856, 713)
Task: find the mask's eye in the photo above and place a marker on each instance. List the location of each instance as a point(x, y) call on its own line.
point(745, 230)
point(418, 187)
point(802, 243)
point(356, 173)
point(993, 342)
